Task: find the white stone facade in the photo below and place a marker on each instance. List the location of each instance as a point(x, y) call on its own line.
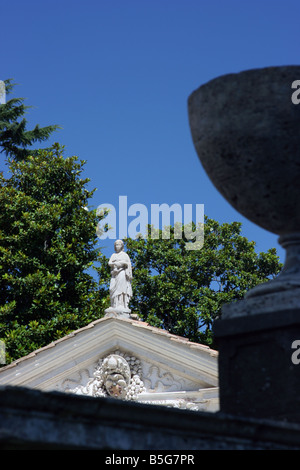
point(125, 359)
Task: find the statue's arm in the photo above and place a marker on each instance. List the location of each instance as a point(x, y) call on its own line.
point(112, 261)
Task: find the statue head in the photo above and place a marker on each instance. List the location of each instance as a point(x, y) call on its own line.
point(119, 245)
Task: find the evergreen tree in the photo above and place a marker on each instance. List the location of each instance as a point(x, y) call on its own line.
point(15, 139)
point(47, 246)
point(183, 290)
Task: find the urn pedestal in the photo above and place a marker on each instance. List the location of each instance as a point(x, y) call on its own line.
point(259, 369)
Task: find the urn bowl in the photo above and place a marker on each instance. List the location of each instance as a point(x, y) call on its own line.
point(246, 131)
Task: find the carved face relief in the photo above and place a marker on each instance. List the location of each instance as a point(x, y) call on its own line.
point(116, 375)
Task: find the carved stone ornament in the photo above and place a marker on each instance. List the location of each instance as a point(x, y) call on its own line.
point(117, 375)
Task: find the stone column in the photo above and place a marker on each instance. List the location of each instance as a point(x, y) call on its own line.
point(246, 131)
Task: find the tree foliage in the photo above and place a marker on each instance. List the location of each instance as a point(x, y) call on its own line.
point(47, 246)
point(183, 290)
point(15, 138)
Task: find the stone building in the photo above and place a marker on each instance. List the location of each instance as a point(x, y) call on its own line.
point(61, 397)
point(119, 384)
point(152, 365)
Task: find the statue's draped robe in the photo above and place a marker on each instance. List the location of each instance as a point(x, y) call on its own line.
point(120, 282)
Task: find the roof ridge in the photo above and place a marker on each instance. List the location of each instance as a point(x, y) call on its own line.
point(134, 322)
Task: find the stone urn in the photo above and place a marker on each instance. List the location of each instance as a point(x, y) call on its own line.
point(246, 131)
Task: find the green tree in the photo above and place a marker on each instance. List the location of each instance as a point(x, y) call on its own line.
point(183, 290)
point(15, 139)
point(47, 249)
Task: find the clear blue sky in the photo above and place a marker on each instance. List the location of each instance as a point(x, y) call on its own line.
point(116, 76)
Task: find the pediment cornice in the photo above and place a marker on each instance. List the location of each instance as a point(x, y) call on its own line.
point(83, 348)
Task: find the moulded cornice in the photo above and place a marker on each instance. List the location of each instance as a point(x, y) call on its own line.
point(60, 359)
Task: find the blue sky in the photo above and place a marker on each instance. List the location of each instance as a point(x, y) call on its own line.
point(116, 76)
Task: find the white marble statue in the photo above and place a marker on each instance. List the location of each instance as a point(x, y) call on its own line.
point(120, 284)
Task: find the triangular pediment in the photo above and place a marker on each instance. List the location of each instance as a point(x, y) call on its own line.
point(169, 367)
